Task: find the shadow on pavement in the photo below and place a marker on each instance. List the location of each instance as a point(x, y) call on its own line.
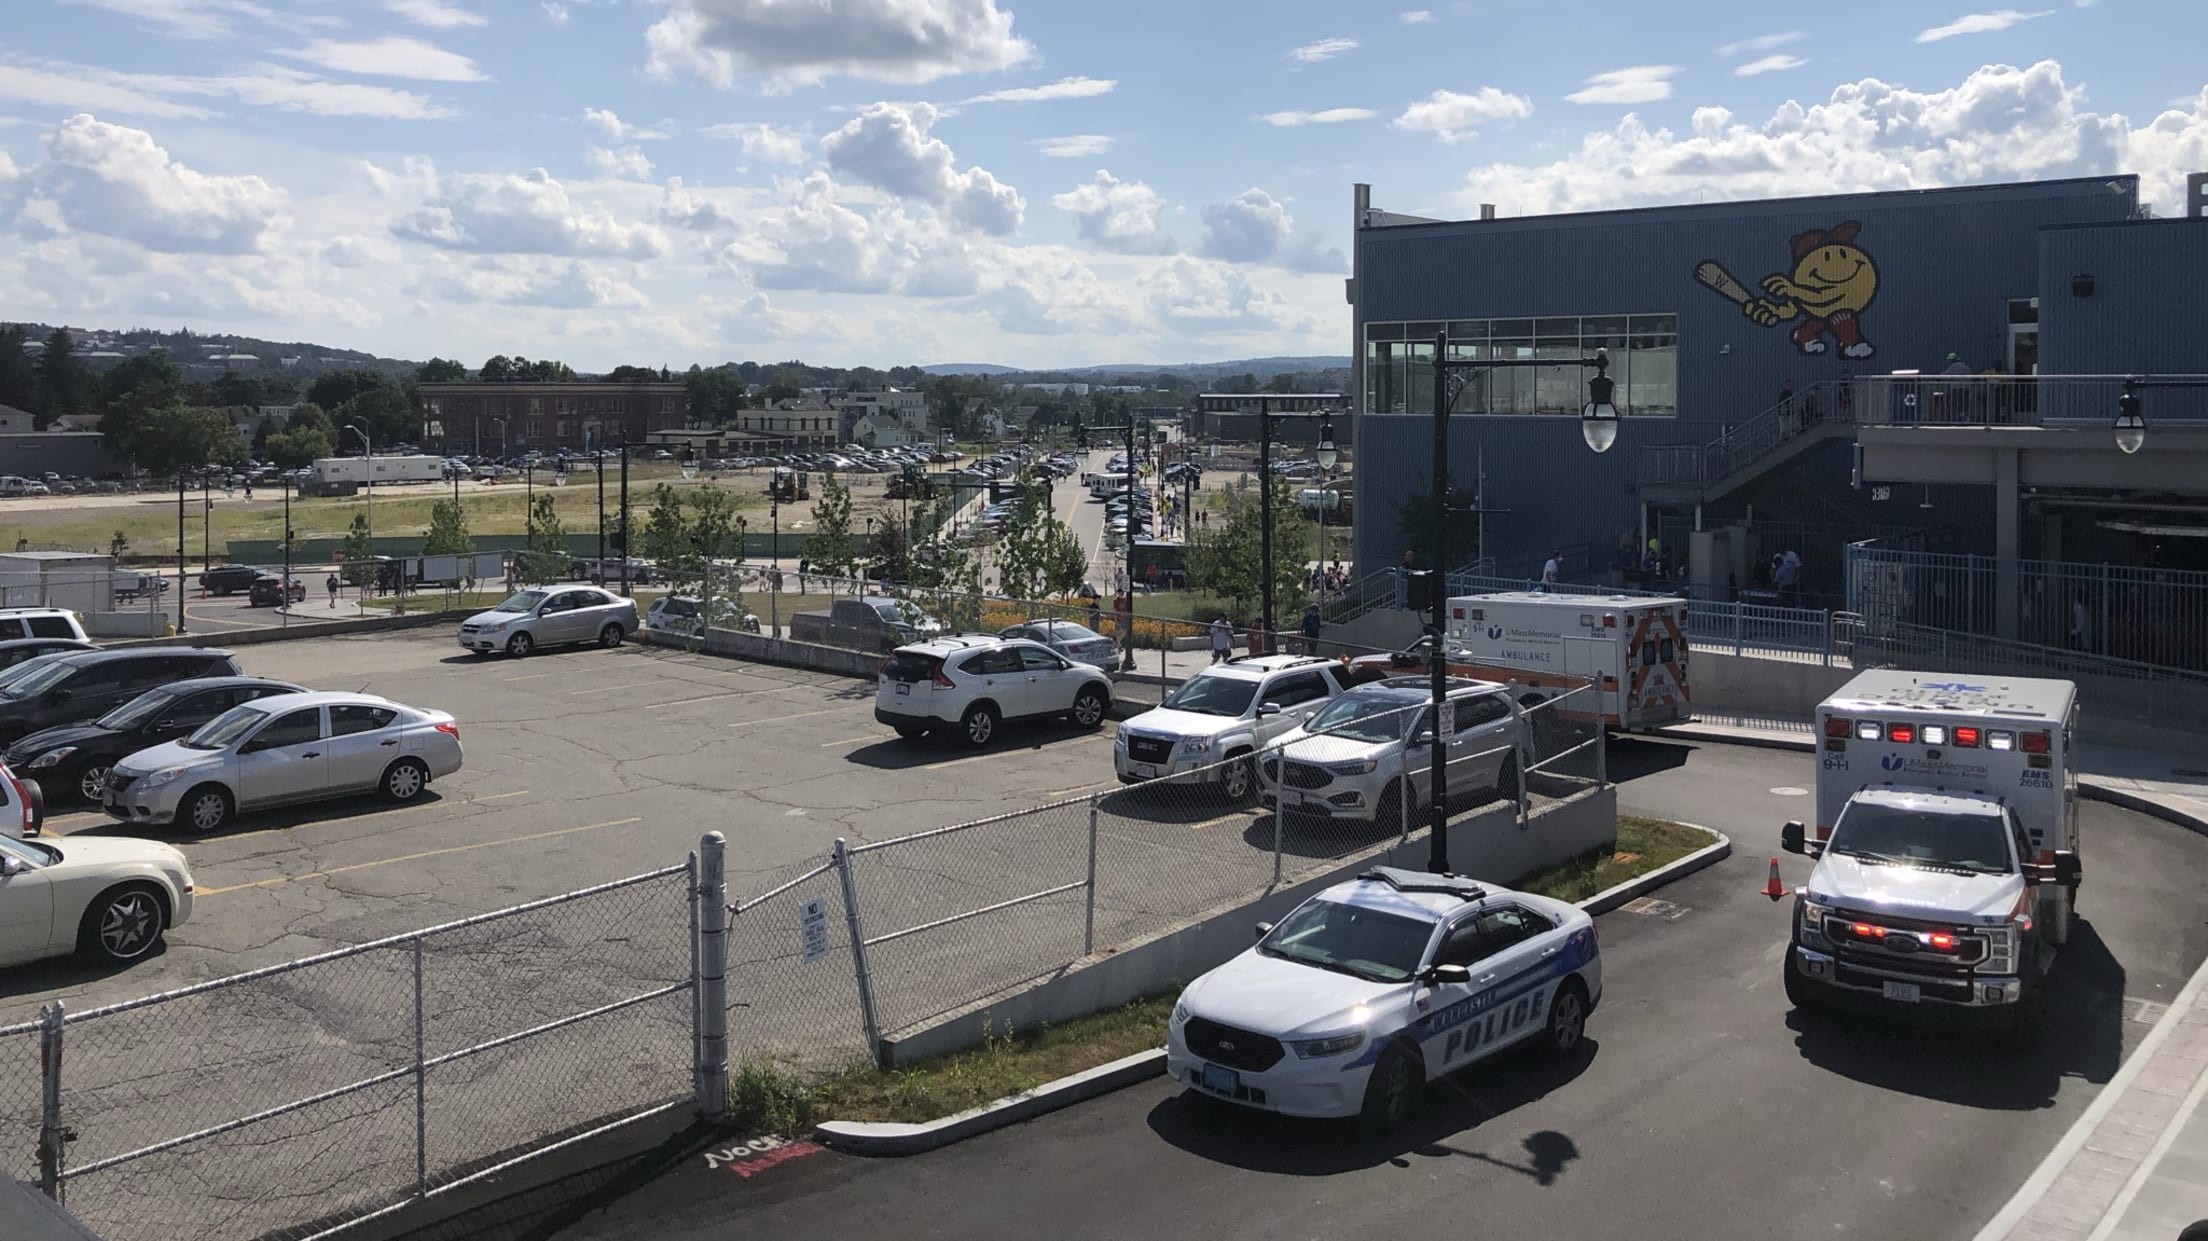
point(893, 753)
point(335, 810)
point(1630, 758)
point(2076, 1032)
point(1455, 1118)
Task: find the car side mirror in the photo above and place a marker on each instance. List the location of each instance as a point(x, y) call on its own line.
point(1423, 739)
point(1270, 708)
point(12, 866)
point(1264, 929)
point(1793, 838)
point(1443, 975)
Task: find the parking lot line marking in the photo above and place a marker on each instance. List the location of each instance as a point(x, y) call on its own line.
point(530, 676)
point(416, 857)
point(855, 740)
point(776, 719)
point(733, 693)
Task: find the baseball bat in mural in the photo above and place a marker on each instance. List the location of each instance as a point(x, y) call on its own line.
point(1711, 274)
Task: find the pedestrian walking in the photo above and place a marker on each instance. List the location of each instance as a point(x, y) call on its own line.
point(1552, 569)
point(1313, 624)
point(1096, 613)
point(1222, 639)
point(1123, 609)
point(804, 566)
point(332, 586)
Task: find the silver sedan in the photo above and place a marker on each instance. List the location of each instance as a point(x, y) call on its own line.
point(1076, 642)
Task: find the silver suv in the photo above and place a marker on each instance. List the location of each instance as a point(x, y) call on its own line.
point(1226, 711)
point(1351, 761)
point(551, 616)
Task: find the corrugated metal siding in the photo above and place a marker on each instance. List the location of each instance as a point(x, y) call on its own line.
point(2144, 312)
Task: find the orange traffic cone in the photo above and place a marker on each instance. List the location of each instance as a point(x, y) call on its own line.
point(1774, 889)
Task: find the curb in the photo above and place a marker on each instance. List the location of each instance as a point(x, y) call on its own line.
point(1698, 732)
point(301, 629)
point(896, 1138)
point(1641, 885)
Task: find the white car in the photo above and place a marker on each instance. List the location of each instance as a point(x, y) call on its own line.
point(110, 898)
point(283, 749)
point(1225, 711)
point(969, 685)
point(1376, 986)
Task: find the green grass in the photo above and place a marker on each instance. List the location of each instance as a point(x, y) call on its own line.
point(1643, 845)
point(1007, 1063)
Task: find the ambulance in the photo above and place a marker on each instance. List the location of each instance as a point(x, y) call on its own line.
point(1632, 649)
point(1946, 843)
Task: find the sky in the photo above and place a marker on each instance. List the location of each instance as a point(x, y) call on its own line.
point(1033, 183)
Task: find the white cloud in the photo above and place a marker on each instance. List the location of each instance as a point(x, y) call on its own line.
point(1452, 117)
point(1775, 63)
point(1063, 88)
point(697, 210)
point(2000, 123)
point(888, 147)
point(1074, 146)
point(1047, 293)
point(628, 161)
point(615, 129)
point(208, 19)
point(814, 242)
point(1415, 17)
point(71, 87)
point(1637, 84)
point(1324, 49)
point(1324, 116)
point(760, 140)
point(393, 56)
point(435, 14)
point(90, 90)
point(576, 287)
point(118, 182)
point(1255, 227)
point(1213, 297)
point(1761, 43)
point(555, 12)
point(785, 44)
point(1978, 23)
point(1117, 215)
point(511, 213)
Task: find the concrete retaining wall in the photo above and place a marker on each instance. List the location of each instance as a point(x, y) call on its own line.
point(306, 629)
point(781, 651)
point(1488, 845)
point(1382, 629)
point(1752, 685)
point(138, 624)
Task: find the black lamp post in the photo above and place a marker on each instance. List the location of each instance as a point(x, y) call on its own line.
point(180, 552)
point(1598, 425)
point(1265, 420)
point(600, 463)
point(285, 608)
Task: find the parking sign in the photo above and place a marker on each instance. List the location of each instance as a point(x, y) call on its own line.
point(812, 925)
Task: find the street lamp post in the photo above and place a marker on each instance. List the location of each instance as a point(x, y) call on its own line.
point(628, 538)
point(206, 520)
point(368, 458)
point(2131, 421)
point(180, 552)
point(774, 566)
point(600, 462)
point(1265, 420)
point(1598, 425)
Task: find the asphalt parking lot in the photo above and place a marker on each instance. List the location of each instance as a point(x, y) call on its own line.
point(582, 766)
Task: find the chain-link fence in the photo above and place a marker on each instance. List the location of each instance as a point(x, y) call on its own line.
point(290, 1099)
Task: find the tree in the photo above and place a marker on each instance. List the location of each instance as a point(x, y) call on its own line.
point(18, 378)
point(359, 552)
point(498, 369)
point(891, 552)
point(334, 389)
point(829, 547)
point(946, 576)
point(546, 559)
point(298, 449)
point(231, 388)
point(312, 417)
point(712, 513)
point(280, 389)
point(1039, 555)
point(1228, 558)
point(130, 392)
point(441, 371)
point(1414, 515)
point(665, 538)
point(261, 431)
point(448, 530)
point(61, 379)
point(177, 438)
point(631, 375)
point(384, 412)
point(118, 545)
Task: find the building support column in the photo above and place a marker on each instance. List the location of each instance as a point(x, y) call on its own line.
point(2008, 517)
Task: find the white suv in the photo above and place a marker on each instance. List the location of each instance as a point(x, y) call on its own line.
point(1226, 711)
point(971, 684)
point(1352, 759)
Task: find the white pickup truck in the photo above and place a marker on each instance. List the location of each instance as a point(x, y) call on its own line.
point(1946, 843)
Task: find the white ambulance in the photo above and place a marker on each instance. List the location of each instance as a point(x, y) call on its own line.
point(1946, 841)
point(1634, 650)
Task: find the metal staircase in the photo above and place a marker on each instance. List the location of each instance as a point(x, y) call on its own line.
point(1700, 473)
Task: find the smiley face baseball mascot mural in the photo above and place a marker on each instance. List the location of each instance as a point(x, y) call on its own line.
point(1831, 285)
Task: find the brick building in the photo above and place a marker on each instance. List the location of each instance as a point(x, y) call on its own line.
point(499, 419)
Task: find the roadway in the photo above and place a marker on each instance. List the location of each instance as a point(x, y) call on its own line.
point(1701, 1108)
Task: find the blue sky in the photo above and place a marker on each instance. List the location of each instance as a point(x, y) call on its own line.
point(890, 181)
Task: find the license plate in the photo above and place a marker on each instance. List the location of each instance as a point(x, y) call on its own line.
point(1225, 1081)
point(1906, 992)
point(1145, 770)
point(903, 688)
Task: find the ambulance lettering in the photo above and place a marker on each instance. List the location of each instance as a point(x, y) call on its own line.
point(2035, 778)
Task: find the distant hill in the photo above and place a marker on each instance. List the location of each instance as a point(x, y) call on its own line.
point(970, 368)
point(200, 355)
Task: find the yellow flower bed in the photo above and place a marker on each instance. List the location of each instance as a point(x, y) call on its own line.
point(1150, 632)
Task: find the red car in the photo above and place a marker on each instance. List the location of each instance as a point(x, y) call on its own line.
point(268, 591)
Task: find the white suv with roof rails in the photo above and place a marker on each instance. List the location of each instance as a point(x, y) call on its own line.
point(1374, 987)
point(1226, 711)
point(972, 683)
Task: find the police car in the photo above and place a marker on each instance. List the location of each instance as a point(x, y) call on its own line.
point(1375, 986)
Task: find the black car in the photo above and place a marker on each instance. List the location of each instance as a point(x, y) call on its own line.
point(72, 760)
point(268, 591)
point(15, 650)
point(229, 579)
point(84, 685)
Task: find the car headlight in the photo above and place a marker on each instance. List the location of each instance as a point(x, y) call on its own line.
point(1335, 1045)
point(1813, 916)
point(1365, 768)
point(1196, 745)
point(51, 757)
point(161, 777)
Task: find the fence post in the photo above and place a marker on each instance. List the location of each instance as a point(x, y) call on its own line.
point(1828, 639)
point(50, 1133)
point(857, 931)
point(1280, 796)
point(421, 1078)
point(710, 980)
point(1740, 625)
point(1088, 931)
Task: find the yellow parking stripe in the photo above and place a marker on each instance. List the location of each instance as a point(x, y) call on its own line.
point(415, 857)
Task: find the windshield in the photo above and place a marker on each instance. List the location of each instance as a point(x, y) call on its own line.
point(1939, 839)
point(42, 676)
point(225, 729)
point(1373, 718)
point(27, 667)
point(1350, 939)
point(526, 601)
point(677, 606)
point(1213, 695)
point(1067, 631)
point(137, 711)
point(29, 852)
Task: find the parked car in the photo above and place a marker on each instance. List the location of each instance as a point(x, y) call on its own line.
point(271, 590)
point(14, 651)
point(1225, 712)
point(108, 898)
point(22, 805)
point(75, 686)
point(969, 685)
point(874, 623)
point(551, 616)
point(682, 614)
point(286, 748)
point(1352, 759)
point(41, 623)
point(1075, 641)
point(229, 579)
point(73, 759)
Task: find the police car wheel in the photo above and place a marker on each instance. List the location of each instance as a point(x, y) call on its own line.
point(1567, 1019)
point(1391, 1090)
